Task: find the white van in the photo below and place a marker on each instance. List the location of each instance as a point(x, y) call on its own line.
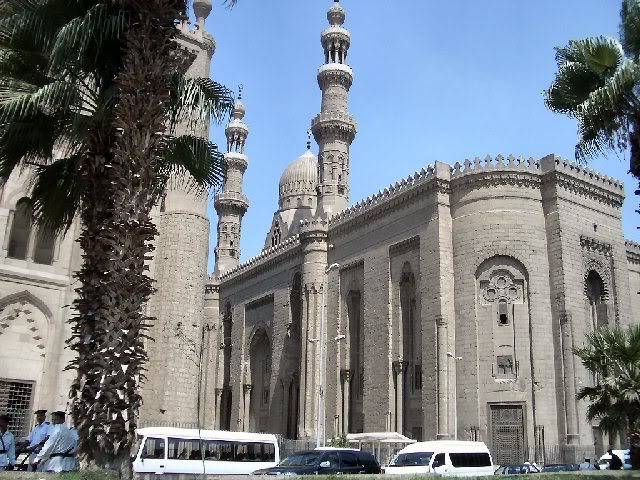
point(178, 450)
point(443, 457)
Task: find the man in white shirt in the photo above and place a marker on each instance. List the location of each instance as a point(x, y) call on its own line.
point(7, 445)
point(38, 436)
point(57, 454)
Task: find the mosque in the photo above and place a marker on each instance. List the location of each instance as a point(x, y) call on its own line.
point(445, 306)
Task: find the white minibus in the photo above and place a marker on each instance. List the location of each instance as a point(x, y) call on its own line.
point(178, 450)
point(443, 457)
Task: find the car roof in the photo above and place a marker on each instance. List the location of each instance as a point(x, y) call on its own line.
point(456, 446)
point(346, 449)
point(194, 433)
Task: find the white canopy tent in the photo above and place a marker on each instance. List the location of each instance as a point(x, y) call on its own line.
point(377, 439)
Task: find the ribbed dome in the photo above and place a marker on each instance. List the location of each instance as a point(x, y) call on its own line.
point(299, 181)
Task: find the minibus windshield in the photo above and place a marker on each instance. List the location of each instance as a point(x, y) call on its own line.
point(412, 459)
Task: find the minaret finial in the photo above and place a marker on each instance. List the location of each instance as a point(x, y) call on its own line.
point(240, 87)
point(309, 139)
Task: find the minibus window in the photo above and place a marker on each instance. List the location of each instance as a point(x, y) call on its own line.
point(255, 452)
point(439, 460)
point(219, 450)
point(470, 459)
point(184, 449)
point(153, 448)
point(412, 459)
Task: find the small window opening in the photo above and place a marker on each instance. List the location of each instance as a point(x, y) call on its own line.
point(505, 365)
point(503, 316)
point(417, 378)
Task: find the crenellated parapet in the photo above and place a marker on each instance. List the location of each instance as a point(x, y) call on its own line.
point(582, 181)
point(492, 164)
point(267, 258)
point(400, 191)
point(633, 252)
point(499, 171)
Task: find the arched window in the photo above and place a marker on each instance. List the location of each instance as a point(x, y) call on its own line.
point(45, 246)
point(597, 307)
point(276, 236)
point(20, 230)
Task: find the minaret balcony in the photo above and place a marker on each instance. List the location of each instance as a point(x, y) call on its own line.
point(236, 160)
point(335, 74)
point(237, 125)
point(335, 33)
point(330, 124)
point(231, 200)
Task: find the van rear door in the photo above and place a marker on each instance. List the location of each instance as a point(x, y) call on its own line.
point(152, 457)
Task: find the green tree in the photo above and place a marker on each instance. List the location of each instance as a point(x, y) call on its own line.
point(93, 93)
point(612, 355)
point(598, 84)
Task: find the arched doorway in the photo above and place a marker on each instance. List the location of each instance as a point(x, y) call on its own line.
point(24, 331)
point(260, 374)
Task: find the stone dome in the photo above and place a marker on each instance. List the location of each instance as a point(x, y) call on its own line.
point(299, 181)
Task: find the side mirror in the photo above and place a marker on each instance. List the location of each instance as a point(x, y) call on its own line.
point(325, 464)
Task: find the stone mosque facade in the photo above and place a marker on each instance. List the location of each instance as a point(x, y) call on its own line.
point(445, 306)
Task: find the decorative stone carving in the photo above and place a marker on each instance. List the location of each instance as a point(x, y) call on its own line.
point(503, 287)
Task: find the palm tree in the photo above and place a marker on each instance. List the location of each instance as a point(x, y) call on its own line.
point(612, 355)
point(598, 84)
point(92, 92)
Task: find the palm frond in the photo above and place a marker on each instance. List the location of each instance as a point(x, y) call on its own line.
point(20, 99)
point(25, 139)
point(630, 28)
point(86, 35)
point(197, 100)
point(602, 55)
point(196, 156)
point(612, 355)
point(572, 85)
point(57, 193)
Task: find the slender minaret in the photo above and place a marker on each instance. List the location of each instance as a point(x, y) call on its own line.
point(334, 129)
point(232, 204)
point(180, 270)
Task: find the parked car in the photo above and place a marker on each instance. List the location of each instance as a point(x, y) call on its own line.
point(561, 467)
point(625, 456)
point(325, 461)
point(443, 457)
point(517, 469)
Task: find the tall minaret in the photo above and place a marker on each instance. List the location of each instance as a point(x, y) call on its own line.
point(334, 129)
point(232, 204)
point(180, 270)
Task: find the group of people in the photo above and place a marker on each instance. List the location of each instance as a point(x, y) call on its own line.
point(51, 446)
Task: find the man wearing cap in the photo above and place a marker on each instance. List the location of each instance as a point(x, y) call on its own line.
point(38, 436)
point(57, 454)
point(7, 445)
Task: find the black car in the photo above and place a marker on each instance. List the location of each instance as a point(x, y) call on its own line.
point(325, 462)
point(517, 469)
point(561, 467)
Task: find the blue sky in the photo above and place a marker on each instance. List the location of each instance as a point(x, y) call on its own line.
point(434, 80)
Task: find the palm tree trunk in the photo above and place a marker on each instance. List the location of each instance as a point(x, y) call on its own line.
point(634, 443)
point(110, 329)
point(634, 148)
